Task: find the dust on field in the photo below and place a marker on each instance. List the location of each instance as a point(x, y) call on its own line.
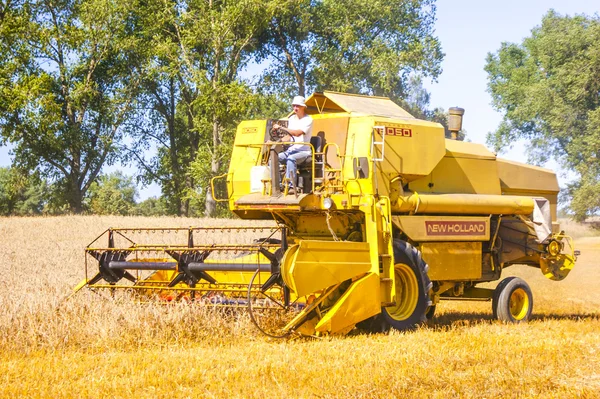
point(93, 347)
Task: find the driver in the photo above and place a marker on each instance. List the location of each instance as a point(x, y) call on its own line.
point(300, 131)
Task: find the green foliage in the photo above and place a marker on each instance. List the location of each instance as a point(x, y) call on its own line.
point(547, 88)
point(113, 194)
point(192, 97)
point(84, 83)
point(151, 207)
point(351, 45)
point(585, 198)
point(66, 86)
point(22, 194)
point(416, 102)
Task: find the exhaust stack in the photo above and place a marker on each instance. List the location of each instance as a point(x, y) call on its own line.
point(455, 117)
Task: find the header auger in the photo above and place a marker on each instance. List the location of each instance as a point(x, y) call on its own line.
point(388, 218)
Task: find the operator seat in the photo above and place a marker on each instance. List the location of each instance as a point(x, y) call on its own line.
point(305, 168)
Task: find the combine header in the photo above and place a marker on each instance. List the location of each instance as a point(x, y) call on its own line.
point(388, 218)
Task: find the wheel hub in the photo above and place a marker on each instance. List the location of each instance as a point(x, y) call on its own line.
point(519, 304)
point(407, 293)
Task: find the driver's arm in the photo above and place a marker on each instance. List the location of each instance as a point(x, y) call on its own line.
point(292, 132)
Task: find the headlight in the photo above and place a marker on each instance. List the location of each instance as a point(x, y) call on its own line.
point(327, 203)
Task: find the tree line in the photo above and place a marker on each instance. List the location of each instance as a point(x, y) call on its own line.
point(158, 84)
point(548, 90)
point(112, 194)
point(162, 84)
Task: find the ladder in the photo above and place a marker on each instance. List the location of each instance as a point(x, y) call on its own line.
point(380, 145)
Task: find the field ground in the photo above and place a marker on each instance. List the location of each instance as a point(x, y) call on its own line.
point(92, 348)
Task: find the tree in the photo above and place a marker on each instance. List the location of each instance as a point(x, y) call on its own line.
point(112, 194)
point(66, 86)
point(192, 89)
point(547, 89)
point(351, 45)
point(416, 102)
point(21, 193)
point(151, 207)
point(289, 41)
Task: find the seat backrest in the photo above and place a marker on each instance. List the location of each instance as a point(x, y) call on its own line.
point(316, 142)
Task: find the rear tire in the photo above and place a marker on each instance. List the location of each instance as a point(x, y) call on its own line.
point(512, 301)
point(412, 289)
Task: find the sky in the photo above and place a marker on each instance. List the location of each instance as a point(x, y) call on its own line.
point(468, 30)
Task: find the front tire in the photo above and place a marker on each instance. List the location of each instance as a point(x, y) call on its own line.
point(512, 301)
point(430, 314)
point(412, 289)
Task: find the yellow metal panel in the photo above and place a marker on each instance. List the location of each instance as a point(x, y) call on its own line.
point(367, 105)
point(332, 129)
point(452, 260)
point(464, 149)
point(316, 225)
point(313, 265)
point(519, 176)
point(412, 147)
point(444, 228)
point(244, 157)
point(521, 179)
point(358, 146)
point(460, 175)
point(329, 101)
point(250, 132)
point(359, 302)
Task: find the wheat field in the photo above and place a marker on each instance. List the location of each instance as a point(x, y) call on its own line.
point(91, 347)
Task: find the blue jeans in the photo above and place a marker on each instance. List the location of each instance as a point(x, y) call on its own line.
point(291, 158)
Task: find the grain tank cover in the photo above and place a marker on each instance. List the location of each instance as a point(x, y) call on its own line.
point(403, 146)
point(411, 148)
point(356, 104)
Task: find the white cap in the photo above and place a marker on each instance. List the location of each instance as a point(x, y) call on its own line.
point(299, 100)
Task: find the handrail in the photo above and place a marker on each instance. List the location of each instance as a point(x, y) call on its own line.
point(329, 170)
point(314, 153)
point(388, 214)
point(271, 143)
point(212, 188)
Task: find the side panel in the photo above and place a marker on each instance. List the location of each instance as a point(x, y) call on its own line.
point(332, 130)
point(460, 175)
point(449, 261)
point(467, 168)
point(246, 154)
point(412, 148)
point(444, 228)
point(522, 179)
point(358, 151)
point(356, 304)
point(314, 265)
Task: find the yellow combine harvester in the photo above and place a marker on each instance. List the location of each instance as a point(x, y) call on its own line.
point(388, 218)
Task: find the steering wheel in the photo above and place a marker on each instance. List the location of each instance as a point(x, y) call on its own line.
point(277, 134)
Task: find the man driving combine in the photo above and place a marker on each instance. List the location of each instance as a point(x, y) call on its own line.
point(300, 130)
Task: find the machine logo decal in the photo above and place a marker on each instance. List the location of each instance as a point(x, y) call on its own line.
point(398, 131)
point(457, 228)
point(249, 130)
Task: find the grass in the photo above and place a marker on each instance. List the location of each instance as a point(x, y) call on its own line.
point(90, 347)
point(578, 230)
